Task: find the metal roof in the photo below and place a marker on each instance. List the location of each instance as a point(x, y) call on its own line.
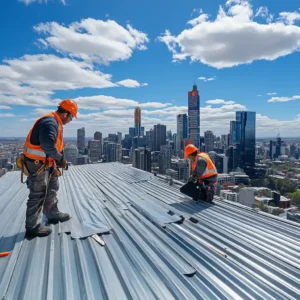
point(132, 236)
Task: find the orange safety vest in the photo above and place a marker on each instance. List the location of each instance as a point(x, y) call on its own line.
point(35, 151)
point(210, 166)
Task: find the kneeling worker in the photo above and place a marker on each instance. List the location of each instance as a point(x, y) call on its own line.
point(204, 172)
point(42, 154)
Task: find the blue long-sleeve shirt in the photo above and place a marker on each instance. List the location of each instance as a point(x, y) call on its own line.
point(44, 134)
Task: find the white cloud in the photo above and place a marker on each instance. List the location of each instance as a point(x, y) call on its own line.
point(101, 102)
point(270, 94)
point(130, 83)
point(220, 43)
point(27, 2)
point(4, 107)
point(153, 105)
point(207, 78)
point(289, 17)
point(259, 95)
point(31, 79)
point(94, 40)
point(7, 115)
point(219, 101)
point(283, 99)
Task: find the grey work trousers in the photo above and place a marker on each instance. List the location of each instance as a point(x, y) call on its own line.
point(42, 197)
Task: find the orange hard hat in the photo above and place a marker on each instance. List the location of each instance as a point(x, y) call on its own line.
point(70, 106)
point(189, 149)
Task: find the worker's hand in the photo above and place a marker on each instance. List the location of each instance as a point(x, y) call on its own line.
point(63, 164)
point(191, 179)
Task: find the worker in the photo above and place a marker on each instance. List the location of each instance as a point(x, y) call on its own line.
point(42, 155)
point(204, 172)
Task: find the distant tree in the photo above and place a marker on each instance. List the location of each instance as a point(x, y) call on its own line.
point(295, 197)
point(258, 182)
point(277, 211)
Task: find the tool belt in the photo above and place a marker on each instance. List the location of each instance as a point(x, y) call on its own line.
point(21, 164)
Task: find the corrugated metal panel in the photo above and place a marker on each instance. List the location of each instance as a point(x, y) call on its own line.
point(150, 252)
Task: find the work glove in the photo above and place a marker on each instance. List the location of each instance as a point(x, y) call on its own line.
point(63, 164)
point(191, 179)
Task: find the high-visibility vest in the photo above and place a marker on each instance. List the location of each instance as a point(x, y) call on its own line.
point(210, 166)
point(35, 151)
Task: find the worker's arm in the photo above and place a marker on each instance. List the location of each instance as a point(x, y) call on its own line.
point(200, 168)
point(48, 129)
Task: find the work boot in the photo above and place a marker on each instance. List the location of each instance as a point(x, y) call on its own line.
point(39, 230)
point(57, 216)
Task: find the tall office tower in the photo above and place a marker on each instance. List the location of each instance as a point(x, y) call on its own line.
point(71, 154)
point(142, 131)
point(272, 150)
point(150, 138)
point(235, 132)
point(160, 136)
point(98, 136)
point(194, 116)
point(142, 159)
point(209, 140)
point(110, 151)
point(165, 156)
point(81, 140)
point(247, 126)
point(182, 130)
point(224, 141)
point(137, 121)
point(169, 135)
point(119, 137)
point(234, 157)
point(112, 137)
point(293, 150)
point(132, 131)
point(95, 150)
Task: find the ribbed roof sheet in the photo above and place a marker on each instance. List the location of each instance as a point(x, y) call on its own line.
point(132, 236)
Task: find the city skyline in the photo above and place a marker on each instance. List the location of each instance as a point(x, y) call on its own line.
point(110, 59)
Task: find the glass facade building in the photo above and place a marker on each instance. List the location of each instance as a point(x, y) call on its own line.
point(194, 116)
point(246, 137)
point(182, 130)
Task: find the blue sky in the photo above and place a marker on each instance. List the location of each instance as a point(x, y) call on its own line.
point(115, 55)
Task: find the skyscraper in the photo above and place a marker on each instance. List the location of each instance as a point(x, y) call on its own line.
point(81, 140)
point(247, 126)
point(142, 159)
point(194, 115)
point(182, 130)
point(95, 150)
point(209, 140)
point(137, 121)
point(159, 136)
point(235, 132)
point(98, 136)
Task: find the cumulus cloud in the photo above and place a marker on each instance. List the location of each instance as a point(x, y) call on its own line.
point(283, 99)
point(290, 17)
point(219, 101)
point(207, 79)
point(5, 107)
point(100, 102)
point(31, 79)
point(270, 94)
point(93, 40)
point(234, 37)
point(130, 83)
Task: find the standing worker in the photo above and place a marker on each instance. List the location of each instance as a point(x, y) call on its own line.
point(42, 154)
point(204, 172)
